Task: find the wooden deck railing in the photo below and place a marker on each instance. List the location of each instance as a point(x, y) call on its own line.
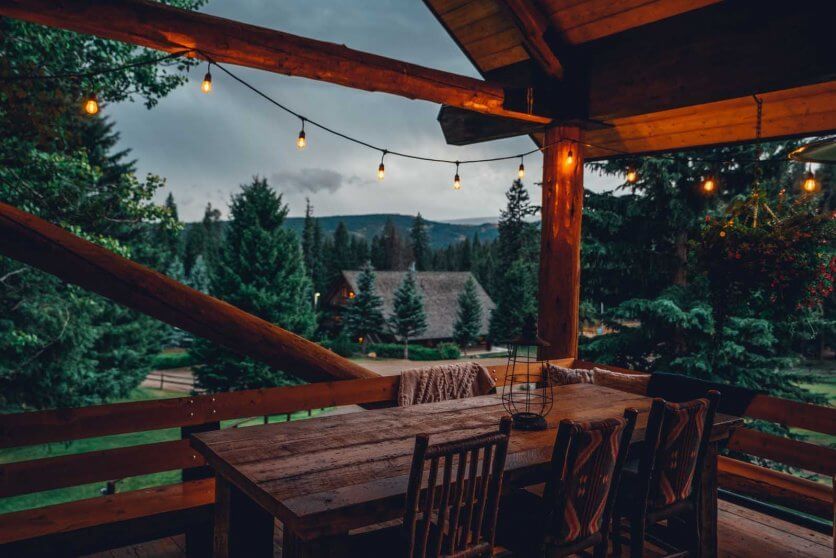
point(191, 414)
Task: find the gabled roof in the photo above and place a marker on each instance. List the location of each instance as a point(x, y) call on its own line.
point(440, 289)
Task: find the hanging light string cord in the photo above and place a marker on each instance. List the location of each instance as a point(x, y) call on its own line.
point(357, 141)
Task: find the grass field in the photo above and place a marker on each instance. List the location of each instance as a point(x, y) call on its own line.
point(107, 442)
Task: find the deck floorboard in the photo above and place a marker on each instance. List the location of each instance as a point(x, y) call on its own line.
point(743, 533)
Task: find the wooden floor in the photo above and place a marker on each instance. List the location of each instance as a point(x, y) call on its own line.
point(743, 534)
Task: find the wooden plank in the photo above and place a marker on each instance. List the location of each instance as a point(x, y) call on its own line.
point(560, 242)
point(786, 412)
point(23, 477)
point(95, 512)
point(795, 453)
point(581, 22)
point(36, 242)
point(794, 112)
point(103, 420)
point(776, 487)
point(533, 25)
point(155, 25)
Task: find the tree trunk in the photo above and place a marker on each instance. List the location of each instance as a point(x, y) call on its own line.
point(680, 276)
point(406, 347)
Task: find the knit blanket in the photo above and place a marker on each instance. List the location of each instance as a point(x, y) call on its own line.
point(444, 382)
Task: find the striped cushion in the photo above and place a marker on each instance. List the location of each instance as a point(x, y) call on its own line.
point(679, 443)
point(589, 470)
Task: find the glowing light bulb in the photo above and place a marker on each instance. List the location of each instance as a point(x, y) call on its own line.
point(381, 172)
point(301, 142)
point(810, 184)
point(709, 185)
point(570, 157)
point(521, 171)
point(632, 176)
point(457, 182)
point(206, 86)
point(91, 104)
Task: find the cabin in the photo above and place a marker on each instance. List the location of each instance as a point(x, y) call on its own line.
point(586, 81)
point(439, 289)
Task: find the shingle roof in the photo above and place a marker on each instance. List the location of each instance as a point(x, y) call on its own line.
point(440, 289)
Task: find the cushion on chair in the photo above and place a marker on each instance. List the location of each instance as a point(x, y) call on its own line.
point(632, 383)
point(679, 444)
point(560, 376)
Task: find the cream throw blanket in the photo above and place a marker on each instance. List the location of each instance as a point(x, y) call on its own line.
point(443, 382)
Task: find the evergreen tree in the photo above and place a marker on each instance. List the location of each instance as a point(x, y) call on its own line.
point(364, 313)
point(420, 243)
point(408, 318)
point(261, 270)
point(469, 316)
point(312, 245)
point(514, 281)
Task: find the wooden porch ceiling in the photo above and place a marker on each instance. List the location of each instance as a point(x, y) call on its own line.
point(678, 74)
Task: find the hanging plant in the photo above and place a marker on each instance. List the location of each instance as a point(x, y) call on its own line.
point(782, 257)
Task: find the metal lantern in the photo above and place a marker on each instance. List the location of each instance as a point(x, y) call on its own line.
point(527, 394)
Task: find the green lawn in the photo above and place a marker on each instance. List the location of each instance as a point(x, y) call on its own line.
point(107, 442)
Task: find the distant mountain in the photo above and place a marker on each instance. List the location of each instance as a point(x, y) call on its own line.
point(473, 220)
point(441, 234)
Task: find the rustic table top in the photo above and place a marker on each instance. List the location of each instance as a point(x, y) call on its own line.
point(324, 476)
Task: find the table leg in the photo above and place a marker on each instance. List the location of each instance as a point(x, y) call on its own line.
point(708, 504)
point(242, 527)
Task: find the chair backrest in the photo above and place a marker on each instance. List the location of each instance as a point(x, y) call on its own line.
point(586, 467)
point(458, 516)
point(676, 442)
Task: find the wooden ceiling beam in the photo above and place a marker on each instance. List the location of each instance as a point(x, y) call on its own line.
point(535, 29)
point(157, 26)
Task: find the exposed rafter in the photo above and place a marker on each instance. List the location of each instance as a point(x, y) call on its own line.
point(535, 28)
point(154, 25)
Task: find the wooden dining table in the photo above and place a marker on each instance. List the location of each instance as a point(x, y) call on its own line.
point(324, 477)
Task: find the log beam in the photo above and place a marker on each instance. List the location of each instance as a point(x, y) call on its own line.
point(40, 244)
point(560, 243)
point(157, 26)
point(534, 26)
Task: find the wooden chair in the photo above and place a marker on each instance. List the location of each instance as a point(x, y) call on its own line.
point(455, 519)
point(665, 481)
point(573, 514)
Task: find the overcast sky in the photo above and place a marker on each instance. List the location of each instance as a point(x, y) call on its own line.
point(207, 145)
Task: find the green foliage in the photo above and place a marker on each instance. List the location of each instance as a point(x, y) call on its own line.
point(343, 345)
point(408, 318)
point(260, 270)
point(514, 285)
point(180, 359)
point(469, 316)
point(444, 351)
point(364, 313)
point(420, 243)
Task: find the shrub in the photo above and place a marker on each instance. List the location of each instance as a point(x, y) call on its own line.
point(445, 351)
point(165, 361)
point(342, 345)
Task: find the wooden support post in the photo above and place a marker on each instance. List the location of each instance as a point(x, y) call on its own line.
point(560, 244)
point(242, 527)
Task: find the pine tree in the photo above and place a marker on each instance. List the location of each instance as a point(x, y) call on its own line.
point(364, 314)
point(515, 303)
point(408, 318)
point(420, 243)
point(260, 269)
point(469, 316)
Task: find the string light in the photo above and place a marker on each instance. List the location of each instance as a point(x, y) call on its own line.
point(709, 185)
point(521, 170)
point(457, 182)
point(91, 104)
point(570, 157)
point(381, 170)
point(206, 86)
point(632, 175)
point(810, 184)
point(301, 141)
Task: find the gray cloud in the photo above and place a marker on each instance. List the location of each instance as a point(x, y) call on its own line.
point(311, 180)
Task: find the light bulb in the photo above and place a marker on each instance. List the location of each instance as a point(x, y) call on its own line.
point(381, 172)
point(91, 104)
point(301, 142)
point(632, 176)
point(206, 86)
point(810, 184)
point(457, 182)
point(521, 171)
point(708, 185)
point(570, 157)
